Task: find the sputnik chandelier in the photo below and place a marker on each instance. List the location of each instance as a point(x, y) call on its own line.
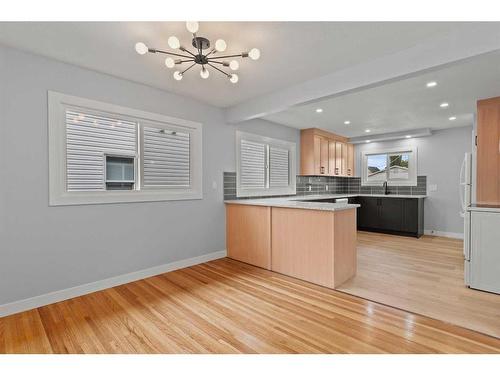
point(210, 58)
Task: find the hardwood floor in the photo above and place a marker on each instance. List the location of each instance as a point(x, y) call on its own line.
point(226, 306)
point(424, 276)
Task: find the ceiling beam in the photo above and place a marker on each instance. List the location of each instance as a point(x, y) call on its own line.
point(465, 42)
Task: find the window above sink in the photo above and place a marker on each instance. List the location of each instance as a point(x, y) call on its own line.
point(397, 167)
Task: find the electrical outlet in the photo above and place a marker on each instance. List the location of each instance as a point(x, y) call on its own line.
point(309, 188)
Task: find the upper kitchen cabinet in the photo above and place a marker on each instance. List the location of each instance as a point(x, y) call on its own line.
point(325, 154)
point(488, 151)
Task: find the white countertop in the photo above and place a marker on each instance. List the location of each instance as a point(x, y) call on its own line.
point(294, 201)
point(330, 196)
point(484, 208)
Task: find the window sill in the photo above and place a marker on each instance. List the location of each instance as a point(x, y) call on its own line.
point(110, 197)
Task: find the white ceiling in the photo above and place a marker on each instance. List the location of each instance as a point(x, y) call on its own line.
point(291, 52)
point(404, 104)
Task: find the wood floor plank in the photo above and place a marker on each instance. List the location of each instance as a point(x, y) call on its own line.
point(225, 306)
point(425, 276)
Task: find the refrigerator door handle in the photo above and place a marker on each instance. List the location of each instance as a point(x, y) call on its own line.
point(462, 196)
point(462, 170)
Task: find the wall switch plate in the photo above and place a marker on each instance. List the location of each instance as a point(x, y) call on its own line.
point(326, 187)
point(309, 188)
point(433, 187)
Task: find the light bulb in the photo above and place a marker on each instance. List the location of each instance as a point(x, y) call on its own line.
point(234, 65)
point(233, 78)
point(173, 42)
point(254, 54)
point(169, 62)
point(177, 75)
point(204, 73)
point(220, 45)
point(141, 48)
point(192, 26)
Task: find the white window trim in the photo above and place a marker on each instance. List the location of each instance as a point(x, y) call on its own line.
point(58, 195)
point(268, 191)
point(411, 181)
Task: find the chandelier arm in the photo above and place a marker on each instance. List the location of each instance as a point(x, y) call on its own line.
point(185, 70)
point(183, 61)
point(226, 56)
point(168, 53)
point(212, 51)
point(188, 51)
point(217, 62)
point(220, 70)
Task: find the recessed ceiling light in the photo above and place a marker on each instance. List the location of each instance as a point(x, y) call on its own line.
point(408, 136)
point(347, 122)
point(444, 105)
point(319, 110)
point(367, 130)
point(367, 141)
point(431, 84)
point(452, 118)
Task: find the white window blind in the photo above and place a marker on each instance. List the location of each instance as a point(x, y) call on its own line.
point(253, 165)
point(166, 158)
point(89, 137)
point(264, 166)
point(279, 168)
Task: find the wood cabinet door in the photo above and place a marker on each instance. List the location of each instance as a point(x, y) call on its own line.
point(323, 156)
point(343, 164)
point(331, 157)
point(338, 158)
point(368, 213)
point(350, 160)
point(488, 151)
point(320, 155)
point(317, 154)
point(391, 214)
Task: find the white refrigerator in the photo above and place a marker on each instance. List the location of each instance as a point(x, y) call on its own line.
point(481, 236)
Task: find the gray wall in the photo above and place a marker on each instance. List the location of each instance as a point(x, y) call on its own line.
point(45, 249)
point(440, 157)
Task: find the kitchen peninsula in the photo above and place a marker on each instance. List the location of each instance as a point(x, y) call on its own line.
point(312, 241)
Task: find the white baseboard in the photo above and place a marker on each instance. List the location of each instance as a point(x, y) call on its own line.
point(64, 294)
point(431, 232)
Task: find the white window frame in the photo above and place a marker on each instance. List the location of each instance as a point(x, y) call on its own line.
point(58, 194)
point(267, 191)
point(412, 167)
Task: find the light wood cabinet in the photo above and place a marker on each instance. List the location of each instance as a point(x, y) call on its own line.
point(313, 245)
point(321, 166)
point(325, 154)
point(350, 159)
point(488, 151)
point(248, 234)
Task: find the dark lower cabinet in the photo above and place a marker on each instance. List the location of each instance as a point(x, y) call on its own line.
point(404, 216)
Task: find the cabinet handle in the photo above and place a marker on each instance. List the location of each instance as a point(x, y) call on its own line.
point(336, 171)
point(322, 170)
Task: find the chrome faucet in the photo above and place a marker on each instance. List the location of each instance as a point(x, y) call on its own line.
point(385, 188)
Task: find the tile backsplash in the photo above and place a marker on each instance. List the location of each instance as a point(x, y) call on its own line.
point(332, 185)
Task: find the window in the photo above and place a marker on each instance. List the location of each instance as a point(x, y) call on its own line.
point(102, 153)
point(264, 166)
point(397, 167)
point(120, 172)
